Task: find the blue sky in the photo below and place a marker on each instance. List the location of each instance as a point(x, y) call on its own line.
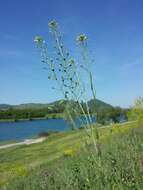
point(115, 32)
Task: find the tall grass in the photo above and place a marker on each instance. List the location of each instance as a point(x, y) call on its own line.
point(122, 167)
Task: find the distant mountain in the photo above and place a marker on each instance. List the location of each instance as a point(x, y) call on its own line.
point(5, 106)
point(55, 105)
point(99, 105)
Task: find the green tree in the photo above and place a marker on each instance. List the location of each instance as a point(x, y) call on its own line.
point(136, 112)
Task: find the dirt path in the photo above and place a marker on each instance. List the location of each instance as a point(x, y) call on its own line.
point(26, 142)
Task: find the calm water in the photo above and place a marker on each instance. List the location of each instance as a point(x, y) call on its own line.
point(27, 129)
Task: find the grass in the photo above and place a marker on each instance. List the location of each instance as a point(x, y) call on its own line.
point(33, 155)
point(8, 142)
point(23, 165)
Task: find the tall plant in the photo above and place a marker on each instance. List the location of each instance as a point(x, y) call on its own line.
point(66, 72)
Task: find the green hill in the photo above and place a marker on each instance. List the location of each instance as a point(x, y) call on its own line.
point(57, 104)
point(99, 105)
point(48, 110)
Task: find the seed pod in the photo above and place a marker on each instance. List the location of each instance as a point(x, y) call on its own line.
point(38, 39)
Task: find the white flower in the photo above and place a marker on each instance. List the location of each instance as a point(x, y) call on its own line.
point(81, 38)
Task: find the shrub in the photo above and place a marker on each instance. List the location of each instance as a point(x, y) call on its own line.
point(136, 112)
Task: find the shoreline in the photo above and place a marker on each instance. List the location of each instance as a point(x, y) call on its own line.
point(19, 120)
point(52, 116)
point(41, 139)
point(25, 142)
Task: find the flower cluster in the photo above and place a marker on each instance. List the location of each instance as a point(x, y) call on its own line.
point(38, 39)
point(82, 38)
point(53, 25)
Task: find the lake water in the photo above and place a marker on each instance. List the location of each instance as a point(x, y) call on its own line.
point(27, 129)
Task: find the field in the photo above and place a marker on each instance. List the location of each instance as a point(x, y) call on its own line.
point(121, 145)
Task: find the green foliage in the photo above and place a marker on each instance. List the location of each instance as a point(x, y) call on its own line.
point(111, 114)
point(29, 111)
point(120, 167)
point(136, 113)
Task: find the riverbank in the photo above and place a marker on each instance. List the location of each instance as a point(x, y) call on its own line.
point(49, 116)
point(17, 161)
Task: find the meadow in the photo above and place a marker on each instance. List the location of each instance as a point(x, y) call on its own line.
point(65, 161)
